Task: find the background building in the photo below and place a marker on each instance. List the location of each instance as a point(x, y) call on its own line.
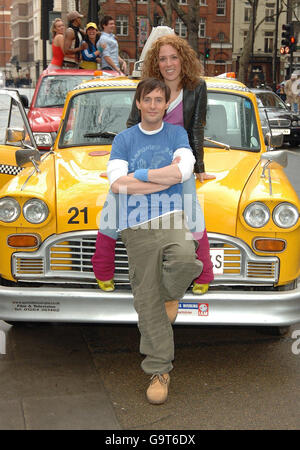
point(222, 32)
point(5, 36)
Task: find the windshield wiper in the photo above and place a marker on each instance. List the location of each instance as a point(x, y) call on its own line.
point(58, 105)
point(221, 144)
point(104, 134)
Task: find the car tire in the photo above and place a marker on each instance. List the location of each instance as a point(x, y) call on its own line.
point(294, 142)
point(275, 331)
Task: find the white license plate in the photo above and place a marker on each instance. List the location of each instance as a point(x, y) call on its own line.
point(281, 131)
point(217, 258)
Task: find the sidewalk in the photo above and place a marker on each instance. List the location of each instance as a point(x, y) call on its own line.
point(48, 381)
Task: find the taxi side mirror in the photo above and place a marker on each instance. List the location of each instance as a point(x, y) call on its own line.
point(278, 156)
point(14, 135)
point(26, 155)
point(274, 140)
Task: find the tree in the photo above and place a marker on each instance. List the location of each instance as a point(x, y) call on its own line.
point(190, 18)
point(283, 6)
point(249, 43)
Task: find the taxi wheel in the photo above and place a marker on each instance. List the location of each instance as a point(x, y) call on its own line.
point(275, 331)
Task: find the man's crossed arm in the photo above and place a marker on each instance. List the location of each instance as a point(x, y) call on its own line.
point(158, 180)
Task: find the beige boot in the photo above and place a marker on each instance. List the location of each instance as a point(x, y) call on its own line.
point(157, 391)
point(172, 310)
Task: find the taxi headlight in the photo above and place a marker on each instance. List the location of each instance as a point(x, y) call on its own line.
point(35, 211)
point(43, 139)
point(285, 215)
point(257, 214)
point(9, 209)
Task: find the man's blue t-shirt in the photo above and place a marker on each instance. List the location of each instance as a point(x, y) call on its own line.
point(148, 151)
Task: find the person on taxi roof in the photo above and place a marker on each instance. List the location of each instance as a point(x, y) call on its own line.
point(92, 54)
point(73, 44)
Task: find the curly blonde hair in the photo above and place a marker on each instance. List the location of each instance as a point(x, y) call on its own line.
point(191, 67)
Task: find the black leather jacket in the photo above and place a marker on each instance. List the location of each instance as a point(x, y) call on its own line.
point(194, 116)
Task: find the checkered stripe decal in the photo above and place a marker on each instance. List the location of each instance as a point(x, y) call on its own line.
point(10, 170)
point(106, 83)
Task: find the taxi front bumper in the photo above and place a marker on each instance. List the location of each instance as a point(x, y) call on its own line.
point(242, 307)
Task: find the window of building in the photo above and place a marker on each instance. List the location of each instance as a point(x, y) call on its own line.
point(296, 12)
point(202, 27)
point(202, 3)
point(180, 28)
point(245, 36)
point(269, 41)
point(122, 25)
point(247, 14)
point(221, 7)
point(221, 36)
point(270, 12)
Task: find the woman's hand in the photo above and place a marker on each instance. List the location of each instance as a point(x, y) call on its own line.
point(204, 176)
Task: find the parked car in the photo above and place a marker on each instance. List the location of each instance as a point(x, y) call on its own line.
point(50, 206)
point(48, 100)
point(281, 118)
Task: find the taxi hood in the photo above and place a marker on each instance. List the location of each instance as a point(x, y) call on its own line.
point(80, 190)
point(220, 198)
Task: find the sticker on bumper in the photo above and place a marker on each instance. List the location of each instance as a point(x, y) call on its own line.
point(193, 309)
point(36, 306)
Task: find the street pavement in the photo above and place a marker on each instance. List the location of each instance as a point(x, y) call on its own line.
point(88, 377)
point(48, 380)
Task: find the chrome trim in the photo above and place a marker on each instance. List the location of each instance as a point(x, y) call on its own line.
point(278, 123)
point(243, 267)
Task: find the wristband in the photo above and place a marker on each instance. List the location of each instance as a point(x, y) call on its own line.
point(141, 174)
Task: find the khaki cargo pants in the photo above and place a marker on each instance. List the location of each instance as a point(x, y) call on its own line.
point(162, 265)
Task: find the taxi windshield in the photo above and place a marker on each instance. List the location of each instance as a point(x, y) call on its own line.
point(54, 89)
point(94, 118)
point(231, 120)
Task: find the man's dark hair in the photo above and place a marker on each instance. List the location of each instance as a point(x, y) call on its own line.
point(150, 84)
point(105, 20)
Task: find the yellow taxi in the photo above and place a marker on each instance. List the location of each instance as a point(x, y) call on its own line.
point(50, 204)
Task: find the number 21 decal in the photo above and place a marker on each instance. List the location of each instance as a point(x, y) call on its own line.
point(76, 214)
